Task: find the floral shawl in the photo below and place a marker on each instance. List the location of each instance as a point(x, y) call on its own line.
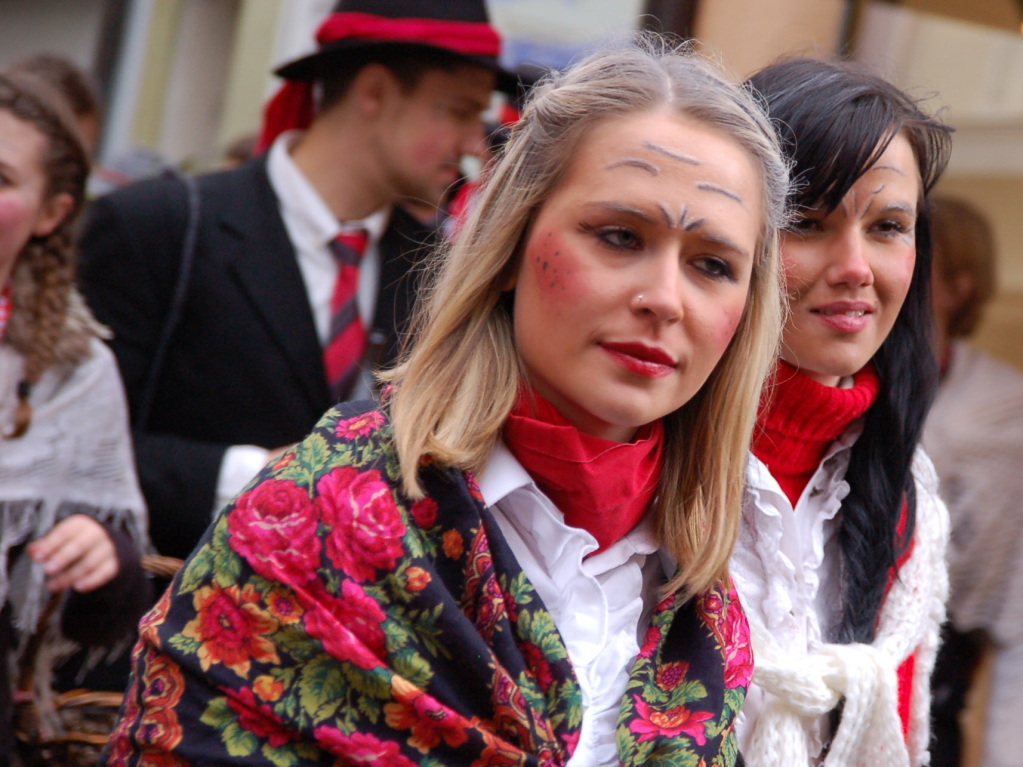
point(327, 619)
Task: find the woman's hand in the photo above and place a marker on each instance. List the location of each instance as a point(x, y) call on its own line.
point(77, 553)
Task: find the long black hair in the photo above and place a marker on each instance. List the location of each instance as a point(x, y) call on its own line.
point(835, 119)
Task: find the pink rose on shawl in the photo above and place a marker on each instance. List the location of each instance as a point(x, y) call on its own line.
point(671, 723)
point(349, 627)
point(360, 426)
point(651, 642)
point(361, 748)
point(571, 741)
point(367, 527)
point(259, 718)
point(735, 639)
point(273, 526)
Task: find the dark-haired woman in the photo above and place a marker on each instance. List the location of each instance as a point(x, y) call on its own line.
point(840, 562)
point(72, 517)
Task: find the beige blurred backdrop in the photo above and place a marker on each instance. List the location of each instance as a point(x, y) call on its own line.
point(185, 78)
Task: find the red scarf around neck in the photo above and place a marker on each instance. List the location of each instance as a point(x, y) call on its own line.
point(602, 486)
point(803, 418)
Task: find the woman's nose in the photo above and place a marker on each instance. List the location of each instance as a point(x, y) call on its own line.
point(849, 260)
point(660, 294)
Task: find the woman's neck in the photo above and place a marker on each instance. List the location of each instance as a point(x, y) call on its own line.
point(803, 418)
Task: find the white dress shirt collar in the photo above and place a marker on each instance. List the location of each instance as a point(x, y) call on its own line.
point(303, 206)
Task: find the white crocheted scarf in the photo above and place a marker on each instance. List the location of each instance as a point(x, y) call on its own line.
point(802, 689)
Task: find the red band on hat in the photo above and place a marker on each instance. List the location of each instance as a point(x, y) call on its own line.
point(473, 38)
point(292, 107)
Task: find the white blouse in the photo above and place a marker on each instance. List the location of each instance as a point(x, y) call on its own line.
point(601, 604)
point(786, 569)
point(785, 565)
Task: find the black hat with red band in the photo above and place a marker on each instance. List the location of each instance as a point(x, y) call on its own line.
point(461, 27)
point(458, 27)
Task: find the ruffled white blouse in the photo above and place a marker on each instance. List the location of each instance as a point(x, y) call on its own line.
point(786, 568)
point(600, 604)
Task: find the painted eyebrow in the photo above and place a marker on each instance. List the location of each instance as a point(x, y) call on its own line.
point(707, 186)
point(668, 220)
point(635, 162)
point(619, 207)
point(688, 159)
point(903, 206)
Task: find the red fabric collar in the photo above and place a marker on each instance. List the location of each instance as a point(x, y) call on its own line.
point(291, 108)
point(803, 418)
point(473, 38)
point(601, 486)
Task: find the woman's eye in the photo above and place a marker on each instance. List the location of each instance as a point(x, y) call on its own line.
point(892, 227)
point(715, 267)
point(619, 237)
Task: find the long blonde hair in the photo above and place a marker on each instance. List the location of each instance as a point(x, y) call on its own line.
point(459, 379)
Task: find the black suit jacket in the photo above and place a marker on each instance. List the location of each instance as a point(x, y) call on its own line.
point(244, 365)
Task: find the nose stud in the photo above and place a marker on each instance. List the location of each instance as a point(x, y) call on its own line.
point(637, 302)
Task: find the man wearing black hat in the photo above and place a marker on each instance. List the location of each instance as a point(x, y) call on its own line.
point(244, 307)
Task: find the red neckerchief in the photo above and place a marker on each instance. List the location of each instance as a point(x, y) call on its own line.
point(803, 418)
point(601, 486)
point(6, 304)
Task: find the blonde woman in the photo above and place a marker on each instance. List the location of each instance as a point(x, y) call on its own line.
point(520, 557)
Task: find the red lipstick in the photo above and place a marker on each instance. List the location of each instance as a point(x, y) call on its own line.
point(643, 360)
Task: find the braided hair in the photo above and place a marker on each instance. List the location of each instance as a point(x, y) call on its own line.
point(42, 280)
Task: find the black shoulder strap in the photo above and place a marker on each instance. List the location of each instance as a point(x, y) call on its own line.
point(177, 299)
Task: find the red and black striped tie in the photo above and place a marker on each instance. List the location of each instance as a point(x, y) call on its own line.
point(346, 338)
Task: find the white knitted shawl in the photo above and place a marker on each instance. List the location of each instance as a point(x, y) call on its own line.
point(804, 688)
point(76, 457)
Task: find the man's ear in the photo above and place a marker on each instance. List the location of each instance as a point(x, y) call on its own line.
point(373, 88)
point(52, 213)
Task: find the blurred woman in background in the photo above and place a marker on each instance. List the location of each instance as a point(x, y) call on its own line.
point(71, 514)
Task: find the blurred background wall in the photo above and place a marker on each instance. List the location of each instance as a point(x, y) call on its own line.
point(182, 79)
